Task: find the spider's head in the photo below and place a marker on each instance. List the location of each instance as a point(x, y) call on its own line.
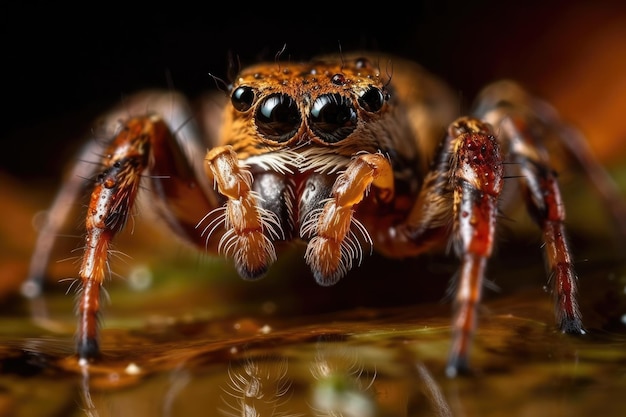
point(326, 103)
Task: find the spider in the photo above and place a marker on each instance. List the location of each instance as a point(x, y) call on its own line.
point(348, 154)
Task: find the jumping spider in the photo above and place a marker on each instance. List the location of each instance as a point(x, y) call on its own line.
point(343, 153)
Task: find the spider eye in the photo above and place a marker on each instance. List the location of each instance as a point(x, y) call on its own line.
point(278, 118)
point(362, 62)
point(332, 117)
point(372, 100)
point(242, 98)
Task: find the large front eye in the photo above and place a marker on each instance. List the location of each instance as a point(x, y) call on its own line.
point(242, 98)
point(372, 100)
point(278, 118)
point(332, 117)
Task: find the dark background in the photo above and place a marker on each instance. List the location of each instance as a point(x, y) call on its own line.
point(60, 68)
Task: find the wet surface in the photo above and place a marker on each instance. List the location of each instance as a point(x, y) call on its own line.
point(363, 363)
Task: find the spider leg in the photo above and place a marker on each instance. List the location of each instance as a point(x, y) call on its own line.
point(476, 173)
point(544, 203)
point(602, 183)
point(329, 253)
point(248, 226)
point(56, 216)
point(111, 200)
point(142, 143)
point(506, 98)
point(174, 182)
